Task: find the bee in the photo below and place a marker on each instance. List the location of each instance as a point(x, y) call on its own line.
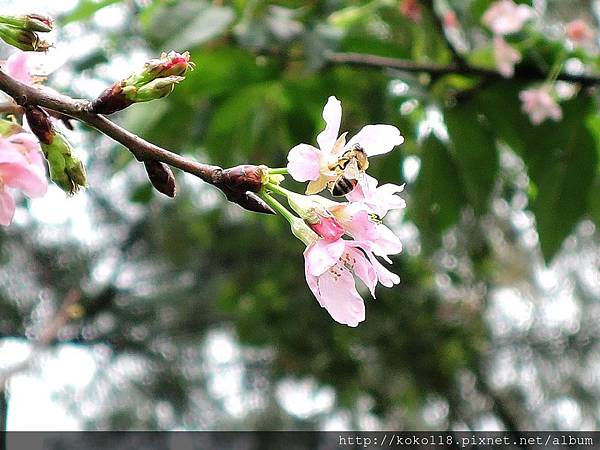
point(349, 168)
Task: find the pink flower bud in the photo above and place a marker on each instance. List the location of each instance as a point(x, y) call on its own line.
point(328, 227)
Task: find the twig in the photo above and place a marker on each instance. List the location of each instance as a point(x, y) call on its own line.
point(80, 109)
point(527, 74)
point(238, 189)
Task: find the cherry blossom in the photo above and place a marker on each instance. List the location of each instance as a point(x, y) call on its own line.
point(540, 105)
point(307, 163)
point(17, 67)
point(343, 242)
point(580, 33)
point(380, 199)
point(506, 17)
point(506, 57)
point(21, 167)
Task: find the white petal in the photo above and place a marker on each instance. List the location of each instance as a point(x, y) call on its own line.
point(377, 139)
point(340, 298)
point(332, 113)
point(304, 162)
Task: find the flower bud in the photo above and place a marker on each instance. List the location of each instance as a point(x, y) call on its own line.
point(66, 170)
point(314, 209)
point(29, 22)
point(153, 90)
point(244, 178)
point(248, 200)
point(40, 124)
point(25, 40)
point(161, 177)
point(157, 79)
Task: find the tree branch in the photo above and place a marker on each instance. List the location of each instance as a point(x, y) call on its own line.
point(404, 65)
point(239, 192)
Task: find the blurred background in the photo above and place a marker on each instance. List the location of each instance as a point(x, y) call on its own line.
point(194, 314)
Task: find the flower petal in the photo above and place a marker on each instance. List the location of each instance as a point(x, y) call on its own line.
point(16, 67)
point(304, 162)
point(385, 277)
point(316, 186)
point(27, 178)
point(377, 139)
point(363, 268)
point(322, 255)
point(7, 208)
point(332, 113)
point(340, 297)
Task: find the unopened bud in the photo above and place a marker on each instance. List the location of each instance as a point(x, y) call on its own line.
point(161, 177)
point(40, 124)
point(153, 90)
point(249, 201)
point(66, 169)
point(25, 40)
point(155, 80)
point(244, 178)
point(30, 22)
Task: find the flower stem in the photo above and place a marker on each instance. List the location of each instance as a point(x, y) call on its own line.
point(277, 206)
point(556, 68)
point(278, 189)
point(278, 170)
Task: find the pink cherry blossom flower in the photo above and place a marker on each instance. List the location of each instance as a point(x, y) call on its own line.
point(540, 105)
point(17, 66)
point(21, 167)
point(506, 57)
point(380, 199)
point(506, 17)
point(580, 33)
point(330, 268)
point(307, 163)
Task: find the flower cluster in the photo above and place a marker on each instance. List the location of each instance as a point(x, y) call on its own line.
point(343, 239)
point(505, 17)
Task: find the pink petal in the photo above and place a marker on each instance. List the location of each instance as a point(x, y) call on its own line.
point(7, 208)
point(332, 113)
point(340, 298)
point(377, 139)
point(16, 67)
point(322, 255)
point(385, 277)
point(387, 243)
point(304, 162)
point(363, 268)
point(360, 226)
point(24, 177)
point(312, 282)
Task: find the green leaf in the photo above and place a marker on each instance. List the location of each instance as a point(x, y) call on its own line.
point(84, 10)
point(438, 197)
point(474, 149)
point(562, 161)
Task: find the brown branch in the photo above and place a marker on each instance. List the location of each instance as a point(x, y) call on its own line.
point(143, 150)
point(404, 65)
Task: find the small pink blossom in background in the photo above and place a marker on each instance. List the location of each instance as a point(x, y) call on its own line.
point(579, 32)
point(450, 20)
point(506, 57)
point(411, 9)
point(540, 105)
point(308, 163)
point(506, 17)
point(21, 167)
